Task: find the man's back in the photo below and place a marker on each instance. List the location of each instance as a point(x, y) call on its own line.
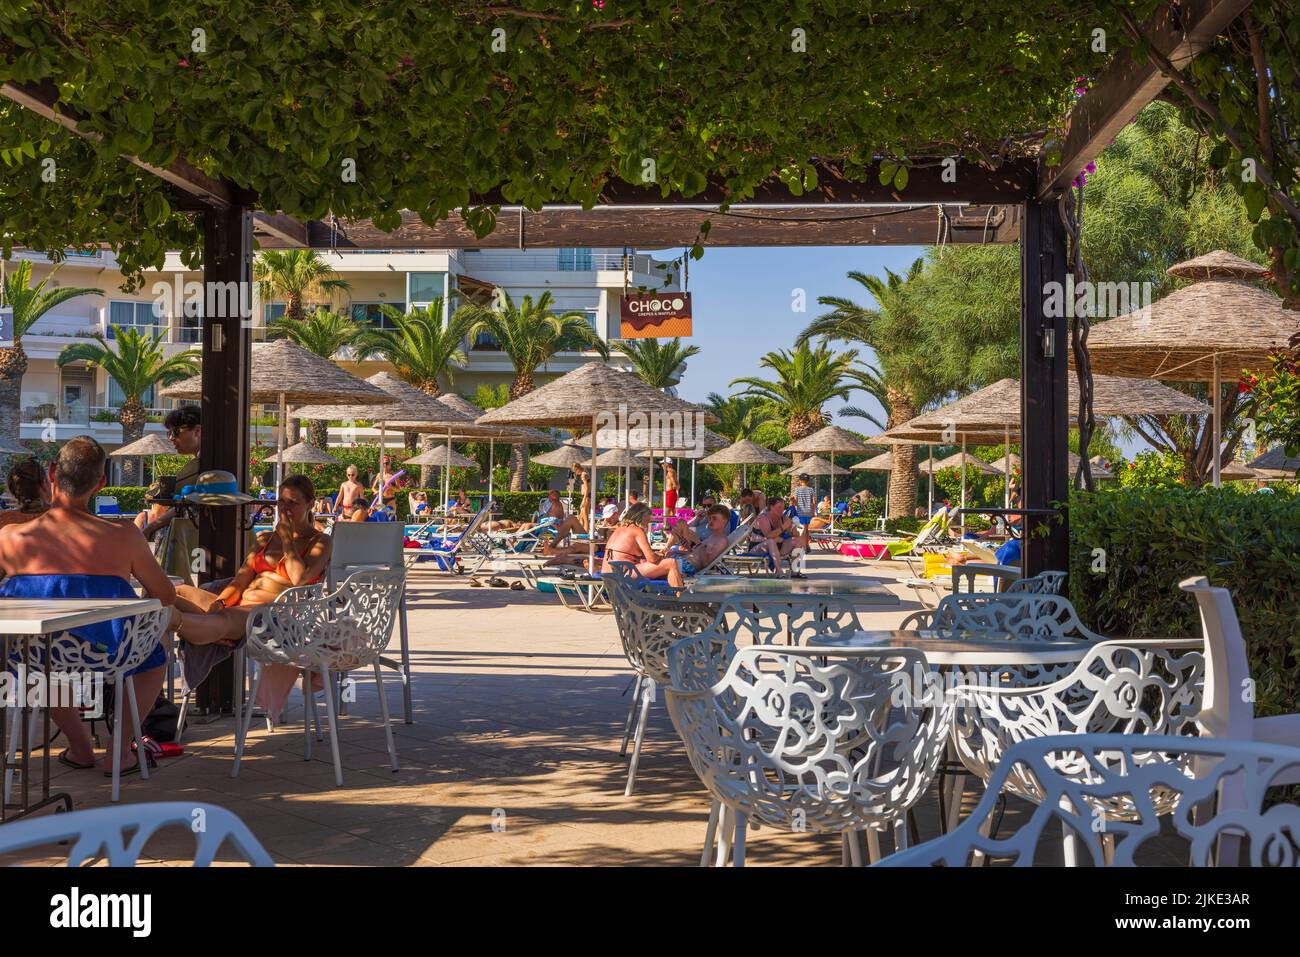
point(63, 541)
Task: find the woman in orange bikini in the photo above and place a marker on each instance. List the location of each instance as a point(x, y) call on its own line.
point(295, 553)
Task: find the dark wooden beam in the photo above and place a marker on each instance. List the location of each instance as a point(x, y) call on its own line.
point(661, 227)
point(1044, 347)
point(279, 231)
point(1126, 85)
point(1012, 182)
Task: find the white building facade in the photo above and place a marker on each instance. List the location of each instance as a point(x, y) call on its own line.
point(58, 403)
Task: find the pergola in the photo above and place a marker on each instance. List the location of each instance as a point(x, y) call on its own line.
point(943, 201)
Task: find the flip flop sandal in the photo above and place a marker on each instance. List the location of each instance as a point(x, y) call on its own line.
point(135, 768)
point(516, 586)
point(475, 583)
point(67, 762)
point(498, 583)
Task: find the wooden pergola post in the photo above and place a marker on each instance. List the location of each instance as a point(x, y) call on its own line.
point(227, 358)
point(1044, 345)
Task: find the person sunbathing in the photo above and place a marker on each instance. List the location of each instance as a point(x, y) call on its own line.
point(628, 542)
point(775, 534)
point(679, 565)
point(66, 552)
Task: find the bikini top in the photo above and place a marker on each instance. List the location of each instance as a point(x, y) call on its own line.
point(262, 565)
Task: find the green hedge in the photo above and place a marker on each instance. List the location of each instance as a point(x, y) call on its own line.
point(130, 498)
point(1152, 539)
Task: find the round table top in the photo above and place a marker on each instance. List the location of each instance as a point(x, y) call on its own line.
point(723, 586)
point(971, 649)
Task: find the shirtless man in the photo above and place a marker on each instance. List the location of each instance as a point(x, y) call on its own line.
point(775, 534)
point(384, 487)
point(349, 492)
point(68, 540)
point(677, 567)
point(670, 487)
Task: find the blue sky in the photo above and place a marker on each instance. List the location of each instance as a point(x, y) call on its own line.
point(743, 301)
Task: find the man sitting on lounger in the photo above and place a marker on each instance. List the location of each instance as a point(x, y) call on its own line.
point(676, 567)
point(66, 552)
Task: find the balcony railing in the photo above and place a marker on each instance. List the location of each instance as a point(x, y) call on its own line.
point(558, 262)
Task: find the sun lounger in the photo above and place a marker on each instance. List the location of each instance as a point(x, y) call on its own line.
point(471, 544)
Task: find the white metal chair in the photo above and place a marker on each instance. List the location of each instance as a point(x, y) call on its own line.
point(810, 740)
point(1120, 687)
point(1109, 791)
point(70, 655)
point(1016, 614)
point(121, 833)
point(339, 631)
point(376, 546)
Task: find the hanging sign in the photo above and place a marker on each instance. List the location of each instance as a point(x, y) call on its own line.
point(665, 315)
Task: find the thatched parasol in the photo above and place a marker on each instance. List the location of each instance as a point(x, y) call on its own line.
point(1274, 464)
point(616, 459)
point(153, 445)
point(1221, 321)
point(592, 395)
point(1008, 464)
point(285, 373)
point(884, 462)
point(303, 453)
point(1236, 472)
point(814, 465)
point(744, 453)
point(438, 456)
point(829, 440)
point(1099, 471)
point(964, 460)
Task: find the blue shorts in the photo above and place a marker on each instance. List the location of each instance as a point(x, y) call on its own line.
point(685, 566)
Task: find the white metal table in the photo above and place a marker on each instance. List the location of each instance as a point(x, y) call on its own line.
point(21, 620)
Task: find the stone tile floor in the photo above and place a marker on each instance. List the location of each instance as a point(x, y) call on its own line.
point(512, 758)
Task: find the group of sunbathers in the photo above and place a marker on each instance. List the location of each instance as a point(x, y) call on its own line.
point(52, 546)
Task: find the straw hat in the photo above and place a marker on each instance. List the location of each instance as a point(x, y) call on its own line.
point(745, 452)
point(577, 398)
point(303, 453)
point(284, 368)
point(831, 440)
point(154, 443)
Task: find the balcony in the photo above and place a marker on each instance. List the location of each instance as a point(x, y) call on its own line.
point(557, 260)
point(50, 413)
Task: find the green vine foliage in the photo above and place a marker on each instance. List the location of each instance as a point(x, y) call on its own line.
point(440, 104)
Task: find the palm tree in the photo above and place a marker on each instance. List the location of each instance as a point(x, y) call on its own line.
point(321, 333)
point(806, 379)
point(907, 384)
point(293, 275)
point(137, 363)
point(421, 349)
point(739, 416)
point(29, 303)
point(658, 362)
point(530, 334)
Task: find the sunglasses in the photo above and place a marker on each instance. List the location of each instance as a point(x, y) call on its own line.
point(173, 432)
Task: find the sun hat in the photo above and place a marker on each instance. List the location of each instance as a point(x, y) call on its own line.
point(216, 487)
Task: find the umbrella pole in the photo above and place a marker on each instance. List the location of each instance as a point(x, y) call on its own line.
point(744, 476)
point(692, 483)
point(1006, 462)
point(492, 444)
point(963, 480)
point(279, 456)
point(1216, 424)
point(832, 481)
point(929, 469)
point(591, 495)
point(446, 478)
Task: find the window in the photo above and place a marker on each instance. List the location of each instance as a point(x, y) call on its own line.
point(116, 396)
point(575, 260)
point(424, 287)
point(145, 316)
point(190, 325)
point(370, 312)
point(272, 311)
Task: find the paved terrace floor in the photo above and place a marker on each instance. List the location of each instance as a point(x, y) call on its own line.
point(512, 759)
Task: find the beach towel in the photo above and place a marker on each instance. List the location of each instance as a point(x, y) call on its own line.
point(104, 636)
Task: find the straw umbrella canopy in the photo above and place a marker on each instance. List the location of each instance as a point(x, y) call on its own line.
point(830, 440)
point(744, 453)
point(153, 445)
point(587, 396)
point(884, 462)
point(285, 373)
point(1009, 463)
point(1222, 320)
point(304, 453)
point(814, 465)
point(566, 456)
point(1275, 464)
point(1236, 472)
point(965, 460)
point(616, 458)
point(1099, 471)
point(439, 456)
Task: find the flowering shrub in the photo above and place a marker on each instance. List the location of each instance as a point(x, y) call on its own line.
point(1277, 402)
point(1153, 470)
